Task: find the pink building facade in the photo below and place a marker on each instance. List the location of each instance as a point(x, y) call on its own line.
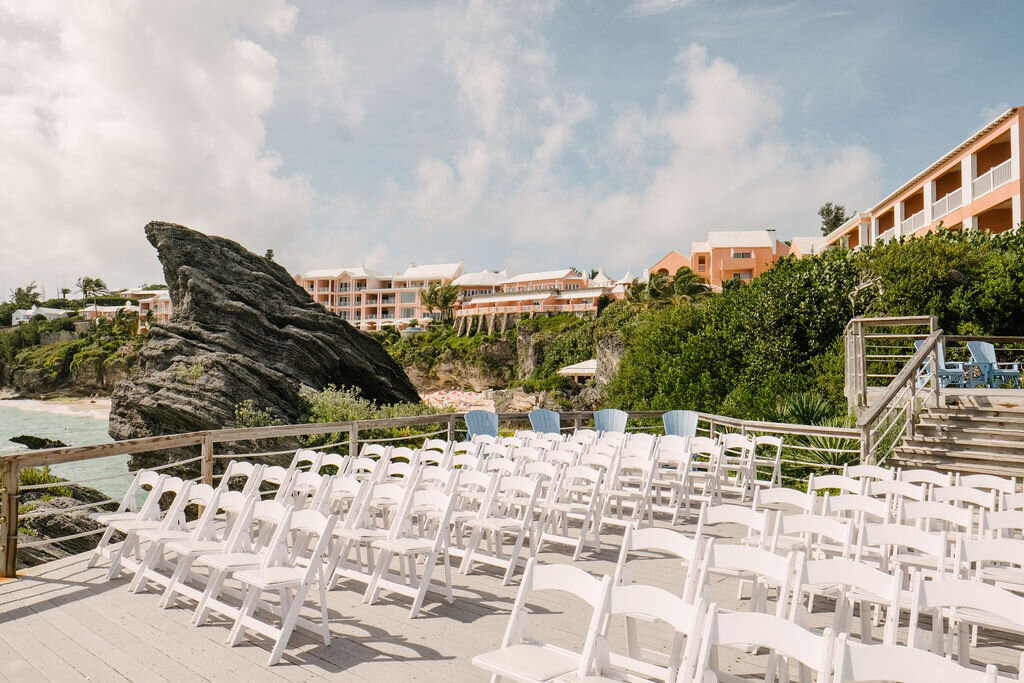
point(159, 304)
point(976, 186)
point(371, 299)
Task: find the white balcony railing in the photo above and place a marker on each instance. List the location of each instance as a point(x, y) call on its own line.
point(912, 224)
point(951, 202)
point(887, 236)
point(993, 178)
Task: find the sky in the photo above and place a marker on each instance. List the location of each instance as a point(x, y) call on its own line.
point(524, 135)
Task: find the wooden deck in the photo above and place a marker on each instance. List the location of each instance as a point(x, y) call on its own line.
point(61, 622)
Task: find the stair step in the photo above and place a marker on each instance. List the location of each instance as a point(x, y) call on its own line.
point(971, 442)
point(1012, 414)
point(957, 432)
point(961, 454)
point(946, 465)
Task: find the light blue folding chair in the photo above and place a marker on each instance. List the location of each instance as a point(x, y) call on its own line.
point(545, 421)
point(680, 423)
point(610, 420)
point(950, 374)
point(482, 422)
point(993, 374)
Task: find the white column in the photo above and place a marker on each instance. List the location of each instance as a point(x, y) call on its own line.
point(929, 199)
point(1015, 151)
point(1015, 212)
point(873, 231)
point(897, 217)
point(968, 172)
point(970, 223)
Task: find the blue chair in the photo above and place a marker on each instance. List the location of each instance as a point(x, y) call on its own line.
point(680, 423)
point(993, 374)
point(610, 420)
point(950, 374)
point(482, 422)
point(545, 421)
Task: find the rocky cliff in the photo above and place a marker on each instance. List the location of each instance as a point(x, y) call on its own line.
point(241, 330)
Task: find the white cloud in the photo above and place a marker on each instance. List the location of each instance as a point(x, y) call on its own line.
point(332, 87)
point(711, 154)
point(643, 8)
point(116, 113)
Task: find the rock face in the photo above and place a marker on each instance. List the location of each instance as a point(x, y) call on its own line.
point(241, 330)
point(610, 351)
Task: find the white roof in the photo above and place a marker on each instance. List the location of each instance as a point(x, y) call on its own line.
point(626, 279)
point(587, 367)
point(109, 309)
point(741, 238)
point(699, 248)
point(338, 272)
point(601, 280)
point(809, 245)
point(437, 271)
point(38, 310)
point(582, 293)
point(501, 296)
point(546, 275)
point(484, 277)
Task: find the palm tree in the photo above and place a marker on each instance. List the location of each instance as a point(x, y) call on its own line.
point(64, 291)
point(428, 297)
point(688, 286)
point(447, 296)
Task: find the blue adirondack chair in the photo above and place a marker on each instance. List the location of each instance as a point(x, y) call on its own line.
point(610, 420)
point(482, 422)
point(545, 421)
point(994, 374)
point(680, 423)
point(950, 374)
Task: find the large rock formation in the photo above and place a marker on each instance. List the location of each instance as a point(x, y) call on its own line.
point(241, 330)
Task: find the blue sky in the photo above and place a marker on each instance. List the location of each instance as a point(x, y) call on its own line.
point(524, 135)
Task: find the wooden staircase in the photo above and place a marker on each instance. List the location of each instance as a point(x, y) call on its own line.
point(968, 439)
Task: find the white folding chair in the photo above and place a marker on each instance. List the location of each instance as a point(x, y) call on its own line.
point(521, 656)
point(239, 468)
point(202, 496)
point(855, 663)
point(824, 482)
point(508, 515)
point(410, 548)
point(120, 556)
point(688, 621)
point(281, 573)
point(899, 545)
point(721, 521)
point(208, 538)
point(336, 460)
point(854, 583)
point(576, 496)
point(306, 459)
point(997, 561)
point(629, 495)
point(737, 464)
point(771, 461)
point(145, 482)
point(1002, 486)
point(869, 472)
point(245, 549)
point(783, 638)
point(964, 603)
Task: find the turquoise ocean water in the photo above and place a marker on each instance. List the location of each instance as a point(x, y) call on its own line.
point(74, 430)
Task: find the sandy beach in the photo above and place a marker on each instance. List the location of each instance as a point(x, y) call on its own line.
point(96, 408)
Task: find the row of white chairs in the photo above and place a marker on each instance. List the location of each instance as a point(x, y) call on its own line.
point(699, 629)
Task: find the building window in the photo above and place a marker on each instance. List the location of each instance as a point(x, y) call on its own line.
point(408, 312)
point(408, 297)
point(741, 254)
point(741, 276)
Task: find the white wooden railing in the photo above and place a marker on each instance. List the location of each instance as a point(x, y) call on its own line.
point(912, 224)
point(951, 202)
point(993, 178)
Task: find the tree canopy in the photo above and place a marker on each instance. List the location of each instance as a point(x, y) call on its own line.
point(832, 216)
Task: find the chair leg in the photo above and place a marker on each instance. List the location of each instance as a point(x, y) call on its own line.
point(383, 563)
point(97, 554)
point(252, 595)
point(287, 626)
point(471, 546)
point(148, 561)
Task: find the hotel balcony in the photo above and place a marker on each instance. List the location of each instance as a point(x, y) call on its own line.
point(994, 177)
point(912, 224)
point(948, 204)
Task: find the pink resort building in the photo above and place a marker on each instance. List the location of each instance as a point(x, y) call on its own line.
point(159, 304)
point(976, 186)
point(735, 255)
point(370, 299)
point(544, 293)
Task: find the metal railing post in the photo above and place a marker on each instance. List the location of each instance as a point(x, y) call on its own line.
point(9, 520)
point(207, 461)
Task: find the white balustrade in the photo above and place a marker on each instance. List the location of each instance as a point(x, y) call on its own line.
point(951, 202)
point(993, 178)
point(912, 224)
